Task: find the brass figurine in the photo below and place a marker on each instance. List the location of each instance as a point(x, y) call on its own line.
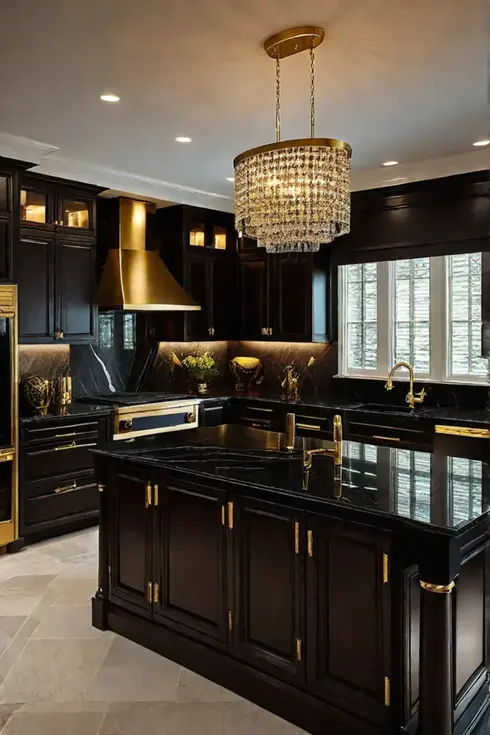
point(291, 382)
point(411, 398)
point(247, 371)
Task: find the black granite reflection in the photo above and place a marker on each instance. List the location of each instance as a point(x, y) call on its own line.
point(78, 410)
point(432, 489)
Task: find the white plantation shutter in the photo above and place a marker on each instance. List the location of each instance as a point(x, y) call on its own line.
point(465, 320)
point(361, 315)
point(425, 311)
point(412, 313)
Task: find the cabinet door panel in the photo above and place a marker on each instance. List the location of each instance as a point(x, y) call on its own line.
point(292, 297)
point(268, 612)
point(223, 295)
point(34, 273)
point(198, 287)
point(131, 541)
point(5, 248)
point(348, 617)
point(192, 566)
point(254, 297)
point(75, 291)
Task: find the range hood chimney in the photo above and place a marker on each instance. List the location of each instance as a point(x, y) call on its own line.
point(133, 278)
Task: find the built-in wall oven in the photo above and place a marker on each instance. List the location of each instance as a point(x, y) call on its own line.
point(8, 415)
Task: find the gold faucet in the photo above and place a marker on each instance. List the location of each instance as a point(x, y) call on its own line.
point(335, 452)
point(411, 398)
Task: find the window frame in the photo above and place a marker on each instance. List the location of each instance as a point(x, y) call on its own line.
point(439, 327)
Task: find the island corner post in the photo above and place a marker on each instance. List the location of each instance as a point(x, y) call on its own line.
point(451, 570)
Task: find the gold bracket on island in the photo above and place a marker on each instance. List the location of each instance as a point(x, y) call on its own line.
point(463, 431)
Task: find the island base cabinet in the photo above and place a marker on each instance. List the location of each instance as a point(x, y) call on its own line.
point(348, 600)
point(190, 559)
point(130, 539)
point(268, 628)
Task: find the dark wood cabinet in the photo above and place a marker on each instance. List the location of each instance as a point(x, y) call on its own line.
point(284, 297)
point(10, 173)
point(5, 247)
point(268, 626)
point(198, 246)
point(75, 285)
point(56, 279)
point(34, 273)
point(130, 579)
point(191, 569)
point(54, 204)
point(349, 649)
point(255, 288)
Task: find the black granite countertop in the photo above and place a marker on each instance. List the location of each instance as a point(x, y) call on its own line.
point(74, 410)
point(409, 487)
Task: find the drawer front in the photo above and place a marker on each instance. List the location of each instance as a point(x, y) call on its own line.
point(57, 503)
point(45, 462)
point(310, 425)
point(213, 414)
point(262, 416)
point(385, 432)
point(54, 430)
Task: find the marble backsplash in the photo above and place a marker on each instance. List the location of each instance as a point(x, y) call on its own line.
point(46, 361)
point(275, 356)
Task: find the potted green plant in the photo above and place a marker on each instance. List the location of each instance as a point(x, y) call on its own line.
point(202, 369)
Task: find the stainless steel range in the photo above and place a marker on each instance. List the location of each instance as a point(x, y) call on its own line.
point(142, 414)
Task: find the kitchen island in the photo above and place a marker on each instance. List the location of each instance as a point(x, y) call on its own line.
point(346, 599)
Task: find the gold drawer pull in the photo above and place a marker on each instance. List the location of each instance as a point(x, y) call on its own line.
point(387, 438)
point(63, 436)
point(296, 537)
point(66, 488)
point(463, 431)
point(312, 427)
point(6, 457)
point(61, 447)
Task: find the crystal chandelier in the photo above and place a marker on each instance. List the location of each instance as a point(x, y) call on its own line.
point(293, 195)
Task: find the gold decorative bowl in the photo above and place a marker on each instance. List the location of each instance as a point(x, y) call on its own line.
point(247, 370)
point(38, 392)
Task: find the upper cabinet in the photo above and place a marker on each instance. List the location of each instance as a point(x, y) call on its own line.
point(52, 204)
point(284, 297)
point(199, 248)
point(54, 261)
point(10, 172)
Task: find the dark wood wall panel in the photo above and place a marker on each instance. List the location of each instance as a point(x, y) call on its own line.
point(470, 601)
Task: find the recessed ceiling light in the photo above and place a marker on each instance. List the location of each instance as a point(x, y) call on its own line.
point(183, 139)
point(109, 98)
point(390, 163)
point(230, 178)
point(481, 143)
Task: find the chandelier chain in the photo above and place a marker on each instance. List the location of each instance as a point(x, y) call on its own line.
point(278, 99)
point(312, 92)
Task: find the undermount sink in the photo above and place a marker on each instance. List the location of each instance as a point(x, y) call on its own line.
point(388, 408)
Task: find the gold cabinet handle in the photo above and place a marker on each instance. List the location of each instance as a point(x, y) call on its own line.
point(387, 438)
point(312, 427)
point(230, 516)
point(62, 447)
point(298, 649)
point(223, 515)
point(155, 494)
point(309, 537)
point(66, 488)
point(270, 331)
point(150, 592)
point(156, 593)
point(296, 537)
point(148, 495)
point(263, 331)
point(6, 457)
point(463, 431)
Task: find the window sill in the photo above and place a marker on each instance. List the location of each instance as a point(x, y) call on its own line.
point(401, 379)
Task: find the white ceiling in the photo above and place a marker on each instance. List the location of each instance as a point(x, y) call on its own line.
point(397, 79)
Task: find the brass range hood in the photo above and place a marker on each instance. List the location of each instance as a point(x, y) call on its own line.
point(133, 278)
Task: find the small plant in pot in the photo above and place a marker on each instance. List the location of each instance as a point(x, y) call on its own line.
point(202, 369)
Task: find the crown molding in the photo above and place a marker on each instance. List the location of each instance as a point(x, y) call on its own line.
point(24, 149)
point(433, 168)
point(133, 184)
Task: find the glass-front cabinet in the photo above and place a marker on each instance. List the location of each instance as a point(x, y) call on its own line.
point(209, 230)
point(49, 204)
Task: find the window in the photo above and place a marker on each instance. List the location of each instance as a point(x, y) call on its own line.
point(425, 311)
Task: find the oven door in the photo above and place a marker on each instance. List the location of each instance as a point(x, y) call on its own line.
point(155, 419)
point(8, 495)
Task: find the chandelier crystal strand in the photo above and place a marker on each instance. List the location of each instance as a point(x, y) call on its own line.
point(294, 195)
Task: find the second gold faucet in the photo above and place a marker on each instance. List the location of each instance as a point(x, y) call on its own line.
point(411, 397)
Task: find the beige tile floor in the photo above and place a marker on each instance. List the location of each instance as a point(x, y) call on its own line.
point(60, 676)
